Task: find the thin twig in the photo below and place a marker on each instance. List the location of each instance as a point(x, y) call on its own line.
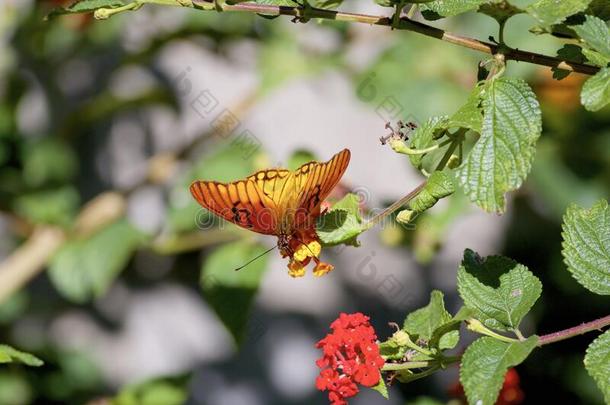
point(597, 324)
point(305, 13)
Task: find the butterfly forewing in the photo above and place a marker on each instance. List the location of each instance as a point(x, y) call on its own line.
point(240, 202)
point(316, 180)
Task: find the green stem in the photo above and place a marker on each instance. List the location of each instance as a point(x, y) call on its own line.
point(404, 24)
point(476, 326)
point(456, 140)
point(395, 206)
point(401, 147)
point(407, 365)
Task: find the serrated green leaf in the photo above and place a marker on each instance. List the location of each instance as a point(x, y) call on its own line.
point(595, 58)
point(448, 8)
point(420, 324)
point(84, 269)
point(485, 363)
point(586, 245)
point(502, 157)
point(381, 388)
point(440, 184)
point(470, 115)
point(428, 323)
point(12, 355)
point(342, 223)
point(425, 135)
point(231, 293)
point(597, 363)
point(594, 31)
point(499, 290)
point(85, 6)
point(595, 93)
point(549, 12)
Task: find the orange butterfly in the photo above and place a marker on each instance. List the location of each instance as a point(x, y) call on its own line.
point(279, 202)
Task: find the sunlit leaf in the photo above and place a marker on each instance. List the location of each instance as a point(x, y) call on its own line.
point(502, 157)
point(342, 223)
point(549, 12)
point(499, 290)
point(84, 269)
point(586, 245)
point(595, 92)
point(597, 363)
point(11, 355)
point(485, 363)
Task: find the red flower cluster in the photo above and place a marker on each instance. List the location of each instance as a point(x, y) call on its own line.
point(510, 394)
point(351, 355)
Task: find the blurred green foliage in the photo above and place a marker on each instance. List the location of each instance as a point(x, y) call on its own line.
point(49, 168)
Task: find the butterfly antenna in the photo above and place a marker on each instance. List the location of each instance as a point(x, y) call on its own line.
point(257, 257)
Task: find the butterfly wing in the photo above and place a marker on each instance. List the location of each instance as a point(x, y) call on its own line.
point(273, 201)
point(314, 181)
point(249, 203)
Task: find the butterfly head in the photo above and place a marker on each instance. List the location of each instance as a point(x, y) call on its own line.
point(283, 244)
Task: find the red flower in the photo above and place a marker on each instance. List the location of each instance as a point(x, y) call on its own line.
point(350, 356)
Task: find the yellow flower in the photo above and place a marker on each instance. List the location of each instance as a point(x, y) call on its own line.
point(322, 268)
point(296, 269)
point(312, 249)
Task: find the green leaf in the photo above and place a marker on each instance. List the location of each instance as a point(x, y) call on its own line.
point(48, 160)
point(586, 245)
point(440, 184)
point(596, 58)
point(231, 293)
point(448, 8)
point(299, 158)
point(84, 6)
point(342, 223)
point(597, 363)
point(326, 4)
point(11, 355)
point(425, 322)
point(485, 363)
point(499, 290)
point(426, 135)
point(595, 92)
point(500, 10)
point(381, 388)
point(595, 33)
point(502, 157)
point(549, 12)
point(166, 391)
point(84, 269)
point(56, 206)
point(470, 115)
